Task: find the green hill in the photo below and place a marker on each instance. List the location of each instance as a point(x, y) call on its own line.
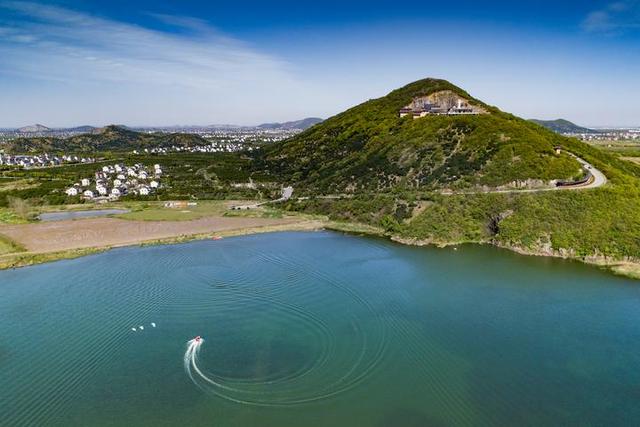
point(370, 148)
point(297, 124)
point(563, 126)
point(109, 138)
point(393, 169)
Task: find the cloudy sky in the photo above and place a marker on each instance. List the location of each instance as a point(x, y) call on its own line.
point(69, 62)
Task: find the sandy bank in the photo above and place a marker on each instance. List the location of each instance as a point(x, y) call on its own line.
point(109, 232)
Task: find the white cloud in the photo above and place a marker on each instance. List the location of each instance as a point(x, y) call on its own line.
point(94, 47)
point(613, 18)
point(65, 49)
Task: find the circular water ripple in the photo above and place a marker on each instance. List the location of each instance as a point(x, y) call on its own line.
point(279, 330)
point(273, 341)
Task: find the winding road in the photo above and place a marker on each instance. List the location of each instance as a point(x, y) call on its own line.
point(597, 179)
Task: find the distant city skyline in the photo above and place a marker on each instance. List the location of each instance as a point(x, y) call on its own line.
point(68, 63)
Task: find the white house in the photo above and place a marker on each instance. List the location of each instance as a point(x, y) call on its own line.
point(118, 168)
point(121, 177)
point(102, 190)
point(117, 183)
point(85, 182)
point(154, 184)
point(142, 175)
point(115, 191)
point(144, 191)
point(72, 191)
point(88, 194)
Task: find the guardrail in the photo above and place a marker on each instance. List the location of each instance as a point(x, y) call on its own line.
point(582, 181)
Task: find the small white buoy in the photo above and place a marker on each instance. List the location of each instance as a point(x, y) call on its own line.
point(153, 324)
point(133, 329)
point(141, 328)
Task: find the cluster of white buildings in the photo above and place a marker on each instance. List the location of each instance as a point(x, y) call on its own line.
point(41, 160)
point(608, 135)
point(214, 147)
point(114, 181)
point(232, 133)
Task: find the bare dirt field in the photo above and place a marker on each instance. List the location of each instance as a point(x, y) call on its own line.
point(106, 232)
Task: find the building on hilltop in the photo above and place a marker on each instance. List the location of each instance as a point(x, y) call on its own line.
point(440, 103)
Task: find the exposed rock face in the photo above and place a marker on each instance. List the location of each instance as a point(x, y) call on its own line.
point(442, 102)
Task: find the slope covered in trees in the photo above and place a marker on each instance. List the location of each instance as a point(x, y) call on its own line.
point(371, 148)
point(109, 138)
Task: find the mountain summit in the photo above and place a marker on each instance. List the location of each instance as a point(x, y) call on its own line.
point(296, 124)
point(34, 129)
point(563, 126)
point(428, 134)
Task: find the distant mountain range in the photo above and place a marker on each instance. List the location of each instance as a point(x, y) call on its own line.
point(297, 124)
point(107, 138)
point(292, 125)
point(82, 129)
point(38, 128)
point(563, 126)
point(33, 129)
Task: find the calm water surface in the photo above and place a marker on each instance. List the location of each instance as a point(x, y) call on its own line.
point(318, 329)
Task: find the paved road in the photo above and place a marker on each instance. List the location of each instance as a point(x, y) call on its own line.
point(598, 179)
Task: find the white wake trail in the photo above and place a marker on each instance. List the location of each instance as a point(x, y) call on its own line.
point(195, 373)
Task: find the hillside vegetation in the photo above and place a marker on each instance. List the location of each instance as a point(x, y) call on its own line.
point(370, 148)
point(110, 138)
point(563, 126)
point(396, 167)
point(369, 166)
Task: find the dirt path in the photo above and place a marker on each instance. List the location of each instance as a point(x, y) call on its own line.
point(106, 232)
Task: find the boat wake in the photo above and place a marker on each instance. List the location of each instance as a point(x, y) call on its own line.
point(327, 357)
point(266, 393)
point(207, 382)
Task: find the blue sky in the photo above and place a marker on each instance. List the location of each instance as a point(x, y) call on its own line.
point(145, 62)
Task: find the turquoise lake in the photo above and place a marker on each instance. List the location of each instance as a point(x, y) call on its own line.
point(317, 329)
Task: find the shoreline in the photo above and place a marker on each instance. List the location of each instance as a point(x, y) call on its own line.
point(26, 259)
point(625, 268)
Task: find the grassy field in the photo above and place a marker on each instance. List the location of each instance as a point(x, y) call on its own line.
point(8, 246)
point(625, 150)
point(157, 211)
point(629, 148)
point(635, 160)
point(7, 216)
point(11, 184)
